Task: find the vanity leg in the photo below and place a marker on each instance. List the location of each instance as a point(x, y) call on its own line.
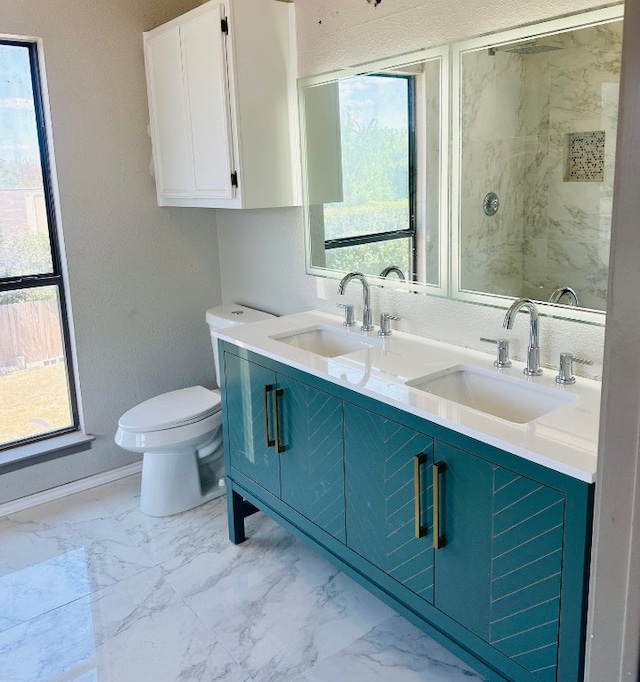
point(238, 509)
point(236, 516)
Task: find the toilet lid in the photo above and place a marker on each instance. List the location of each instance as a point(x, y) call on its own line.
point(176, 408)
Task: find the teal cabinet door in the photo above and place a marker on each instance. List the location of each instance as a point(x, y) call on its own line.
point(498, 572)
point(389, 502)
point(249, 421)
point(311, 457)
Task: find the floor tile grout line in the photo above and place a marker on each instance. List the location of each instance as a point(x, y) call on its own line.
point(335, 573)
point(44, 613)
point(89, 595)
point(208, 629)
point(341, 650)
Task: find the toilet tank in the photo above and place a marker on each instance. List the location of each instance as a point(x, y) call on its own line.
point(230, 315)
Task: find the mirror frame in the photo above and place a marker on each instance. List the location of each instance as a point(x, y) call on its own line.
point(441, 53)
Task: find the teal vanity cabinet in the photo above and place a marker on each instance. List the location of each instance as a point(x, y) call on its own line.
point(485, 551)
point(286, 436)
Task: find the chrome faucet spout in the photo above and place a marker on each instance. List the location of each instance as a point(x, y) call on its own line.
point(561, 292)
point(533, 351)
point(393, 269)
point(366, 305)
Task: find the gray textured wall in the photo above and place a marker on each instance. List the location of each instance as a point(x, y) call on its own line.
point(140, 277)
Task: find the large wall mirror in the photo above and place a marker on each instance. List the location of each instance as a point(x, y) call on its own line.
point(497, 187)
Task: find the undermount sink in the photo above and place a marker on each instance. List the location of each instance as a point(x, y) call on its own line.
point(515, 400)
point(327, 341)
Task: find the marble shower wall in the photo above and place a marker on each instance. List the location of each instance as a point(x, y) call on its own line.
point(492, 120)
point(567, 224)
point(518, 112)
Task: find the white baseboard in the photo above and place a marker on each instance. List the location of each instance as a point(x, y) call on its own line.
point(69, 489)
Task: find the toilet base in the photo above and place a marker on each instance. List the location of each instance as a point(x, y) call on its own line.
point(171, 483)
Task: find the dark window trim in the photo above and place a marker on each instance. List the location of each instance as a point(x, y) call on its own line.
point(368, 238)
point(55, 278)
point(410, 232)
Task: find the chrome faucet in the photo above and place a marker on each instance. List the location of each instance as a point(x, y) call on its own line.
point(533, 368)
point(366, 306)
point(393, 268)
point(564, 291)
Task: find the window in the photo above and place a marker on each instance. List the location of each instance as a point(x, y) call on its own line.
point(378, 156)
point(37, 399)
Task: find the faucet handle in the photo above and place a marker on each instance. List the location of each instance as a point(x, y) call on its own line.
point(502, 352)
point(385, 327)
point(565, 371)
point(349, 319)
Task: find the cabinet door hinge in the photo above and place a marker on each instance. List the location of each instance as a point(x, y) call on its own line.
point(234, 179)
point(224, 26)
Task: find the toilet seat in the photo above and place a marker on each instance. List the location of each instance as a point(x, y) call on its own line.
point(171, 410)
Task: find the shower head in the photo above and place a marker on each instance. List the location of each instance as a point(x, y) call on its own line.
point(523, 48)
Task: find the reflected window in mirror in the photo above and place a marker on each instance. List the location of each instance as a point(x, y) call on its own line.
point(373, 227)
point(373, 174)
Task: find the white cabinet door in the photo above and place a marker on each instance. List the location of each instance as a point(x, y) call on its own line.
point(220, 105)
point(169, 117)
point(205, 74)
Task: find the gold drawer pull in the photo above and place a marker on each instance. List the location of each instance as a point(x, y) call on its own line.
point(418, 461)
point(438, 540)
point(270, 442)
point(276, 421)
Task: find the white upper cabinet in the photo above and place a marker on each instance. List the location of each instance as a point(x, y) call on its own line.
point(221, 86)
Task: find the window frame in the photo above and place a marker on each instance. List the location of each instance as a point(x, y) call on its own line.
point(55, 278)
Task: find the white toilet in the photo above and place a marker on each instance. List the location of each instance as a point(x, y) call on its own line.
point(180, 434)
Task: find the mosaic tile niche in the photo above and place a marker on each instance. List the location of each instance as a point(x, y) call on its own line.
point(585, 156)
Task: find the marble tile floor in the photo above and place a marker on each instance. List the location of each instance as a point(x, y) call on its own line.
point(93, 590)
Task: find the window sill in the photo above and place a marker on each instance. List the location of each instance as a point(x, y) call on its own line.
point(44, 450)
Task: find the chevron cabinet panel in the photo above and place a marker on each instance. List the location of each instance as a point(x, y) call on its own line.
point(311, 465)
point(526, 571)
point(381, 497)
point(499, 573)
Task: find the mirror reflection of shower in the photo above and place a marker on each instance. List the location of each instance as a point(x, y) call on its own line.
point(538, 127)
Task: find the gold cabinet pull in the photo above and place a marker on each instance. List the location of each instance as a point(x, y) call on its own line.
point(418, 461)
point(276, 421)
point(270, 442)
point(438, 540)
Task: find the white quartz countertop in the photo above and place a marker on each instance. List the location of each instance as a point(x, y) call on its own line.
point(565, 439)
